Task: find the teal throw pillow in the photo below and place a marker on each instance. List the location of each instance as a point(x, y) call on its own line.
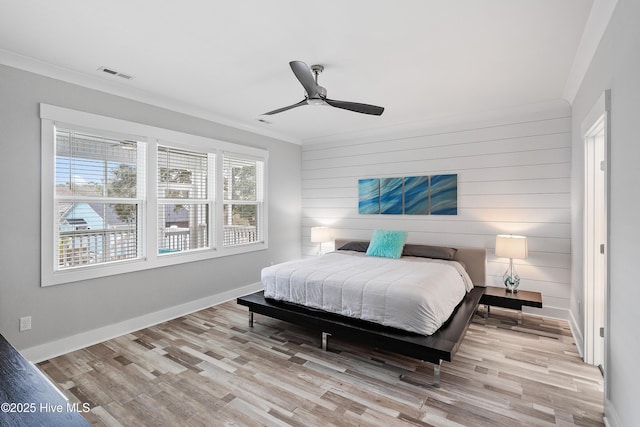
point(387, 244)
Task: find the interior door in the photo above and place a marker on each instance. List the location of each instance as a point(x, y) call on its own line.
point(595, 235)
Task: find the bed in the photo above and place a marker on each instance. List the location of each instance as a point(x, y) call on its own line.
point(433, 347)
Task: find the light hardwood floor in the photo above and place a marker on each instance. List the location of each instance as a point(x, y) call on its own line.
point(210, 369)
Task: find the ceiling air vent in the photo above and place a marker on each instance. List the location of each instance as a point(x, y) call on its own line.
point(115, 73)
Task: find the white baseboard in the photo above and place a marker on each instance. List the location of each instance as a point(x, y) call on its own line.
point(577, 335)
point(52, 349)
point(611, 418)
point(553, 312)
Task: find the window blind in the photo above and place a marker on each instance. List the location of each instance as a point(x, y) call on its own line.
point(99, 189)
point(243, 200)
point(184, 201)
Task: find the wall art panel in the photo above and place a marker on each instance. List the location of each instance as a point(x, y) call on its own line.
point(391, 196)
point(416, 195)
point(369, 196)
point(443, 195)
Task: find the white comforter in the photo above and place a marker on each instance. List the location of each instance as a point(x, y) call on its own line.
point(414, 294)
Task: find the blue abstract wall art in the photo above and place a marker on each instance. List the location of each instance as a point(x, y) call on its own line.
point(412, 195)
point(391, 196)
point(416, 195)
point(443, 195)
point(369, 196)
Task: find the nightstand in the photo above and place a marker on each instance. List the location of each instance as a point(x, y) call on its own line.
point(499, 297)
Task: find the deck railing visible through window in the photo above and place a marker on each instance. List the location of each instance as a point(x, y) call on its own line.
point(240, 234)
point(82, 247)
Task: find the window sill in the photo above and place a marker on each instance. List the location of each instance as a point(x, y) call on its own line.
point(155, 261)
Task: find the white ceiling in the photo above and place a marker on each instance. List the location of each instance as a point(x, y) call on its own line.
point(228, 60)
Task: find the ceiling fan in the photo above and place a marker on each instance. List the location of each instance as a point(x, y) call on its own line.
point(317, 95)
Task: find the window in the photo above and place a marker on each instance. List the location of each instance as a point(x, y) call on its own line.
point(184, 200)
point(117, 197)
point(243, 200)
point(98, 200)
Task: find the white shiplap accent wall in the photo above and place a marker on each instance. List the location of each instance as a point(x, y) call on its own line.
point(513, 177)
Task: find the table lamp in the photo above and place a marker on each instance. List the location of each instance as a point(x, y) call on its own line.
point(512, 247)
point(320, 235)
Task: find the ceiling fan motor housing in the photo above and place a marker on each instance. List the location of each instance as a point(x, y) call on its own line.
point(317, 69)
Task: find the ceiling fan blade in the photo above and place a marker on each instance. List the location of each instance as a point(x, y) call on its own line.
point(305, 77)
point(355, 106)
point(280, 110)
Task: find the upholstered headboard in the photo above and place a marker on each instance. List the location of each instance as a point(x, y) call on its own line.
point(474, 259)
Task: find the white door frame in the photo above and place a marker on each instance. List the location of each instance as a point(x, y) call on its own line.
point(596, 136)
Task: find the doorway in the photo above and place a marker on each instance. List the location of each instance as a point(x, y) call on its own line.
point(595, 232)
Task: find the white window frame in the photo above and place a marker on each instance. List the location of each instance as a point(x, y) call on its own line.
point(139, 200)
point(52, 116)
point(260, 197)
point(210, 200)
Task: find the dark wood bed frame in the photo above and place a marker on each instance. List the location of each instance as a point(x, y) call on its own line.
point(435, 348)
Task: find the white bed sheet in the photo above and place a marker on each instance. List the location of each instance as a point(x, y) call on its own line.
point(410, 293)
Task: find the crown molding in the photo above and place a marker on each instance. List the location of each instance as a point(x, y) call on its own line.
point(46, 69)
point(596, 25)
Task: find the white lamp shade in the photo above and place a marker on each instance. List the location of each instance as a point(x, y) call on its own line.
point(509, 246)
point(320, 234)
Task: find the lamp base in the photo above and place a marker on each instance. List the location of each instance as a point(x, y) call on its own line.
point(511, 281)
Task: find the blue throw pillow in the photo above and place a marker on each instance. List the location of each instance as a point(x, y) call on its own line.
point(387, 244)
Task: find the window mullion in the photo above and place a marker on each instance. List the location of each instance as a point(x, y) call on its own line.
point(241, 202)
point(219, 191)
point(151, 237)
point(107, 200)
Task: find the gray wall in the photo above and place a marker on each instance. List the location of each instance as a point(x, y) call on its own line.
point(513, 171)
point(66, 310)
point(616, 66)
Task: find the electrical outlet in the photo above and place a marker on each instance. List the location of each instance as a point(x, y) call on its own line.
point(25, 323)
